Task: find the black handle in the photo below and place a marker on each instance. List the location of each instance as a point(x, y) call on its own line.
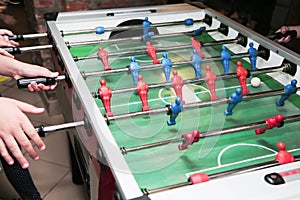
point(12, 50)
point(40, 131)
point(16, 37)
point(280, 35)
point(24, 82)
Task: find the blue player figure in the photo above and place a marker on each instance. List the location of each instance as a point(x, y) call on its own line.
point(199, 30)
point(196, 59)
point(288, 90)
point(167, 65)
point(252, 55)
point(234, 98)
point(225, 59)
point(176, 107)
point(146, 27)
point(134, 69)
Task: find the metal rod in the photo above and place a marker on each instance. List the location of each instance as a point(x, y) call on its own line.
point(19, 50)
point(63, 126)
point(252, 72)
point(84, 43)
point(71, 32)
point(179, 34)
point(154, 66)
point(123, 28)
point(207, 44)
point(169, 187)
point(245, 127)
point(198, 104)
point(140, 38)
point(251, 168)
point(95, 73)
point(137, 51)
point(135, 114)
point(140, 51)
point(250, 126)
point(245, 97)
point(202, 79)
point(147, 146)
point(35, 35)
point(35, 48)
point(19, 37)
point(124, 90)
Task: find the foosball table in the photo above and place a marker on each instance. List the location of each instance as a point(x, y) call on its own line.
point(178, 102)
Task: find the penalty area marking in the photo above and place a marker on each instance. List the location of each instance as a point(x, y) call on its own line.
point(241, 144)
point(188, 95)
point(117, 47)
point(161, 98)
point(238, 162)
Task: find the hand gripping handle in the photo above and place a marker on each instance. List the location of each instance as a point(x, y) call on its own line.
point(24, 82)
point(279, 35)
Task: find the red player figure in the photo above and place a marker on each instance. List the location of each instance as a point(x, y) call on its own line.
point(272, 122)
point(189, 139)
point(242, 75)
point(105, 95)
point(142, 89)
point(210, 78)
point(197, 45)
point(177, 83)
point(151, 50)
point(283, 156)
point(103, 56)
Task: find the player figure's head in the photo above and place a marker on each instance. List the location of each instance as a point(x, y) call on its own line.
point(148, 43)
point(165, 55)
point(100, 49)
point(132, 59)
point(251, 44)
point(192, 39)
point(239, 63)
point(281, 146)
point(146, 19)
point(177, 101)
point(207, 68)
point(196, 134)
point(175, 72)
point(223, 48)
point(103, 82)
point(279, 118)
point(140, 77)
point(294, 82)
point(238, 91)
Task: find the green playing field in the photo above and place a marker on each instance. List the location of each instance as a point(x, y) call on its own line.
point(166, 165)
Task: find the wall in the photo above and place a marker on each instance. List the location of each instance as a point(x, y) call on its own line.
point(37, 8)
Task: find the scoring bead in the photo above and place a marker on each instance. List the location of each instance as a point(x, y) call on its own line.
point(189, 22)
point(100, 30)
